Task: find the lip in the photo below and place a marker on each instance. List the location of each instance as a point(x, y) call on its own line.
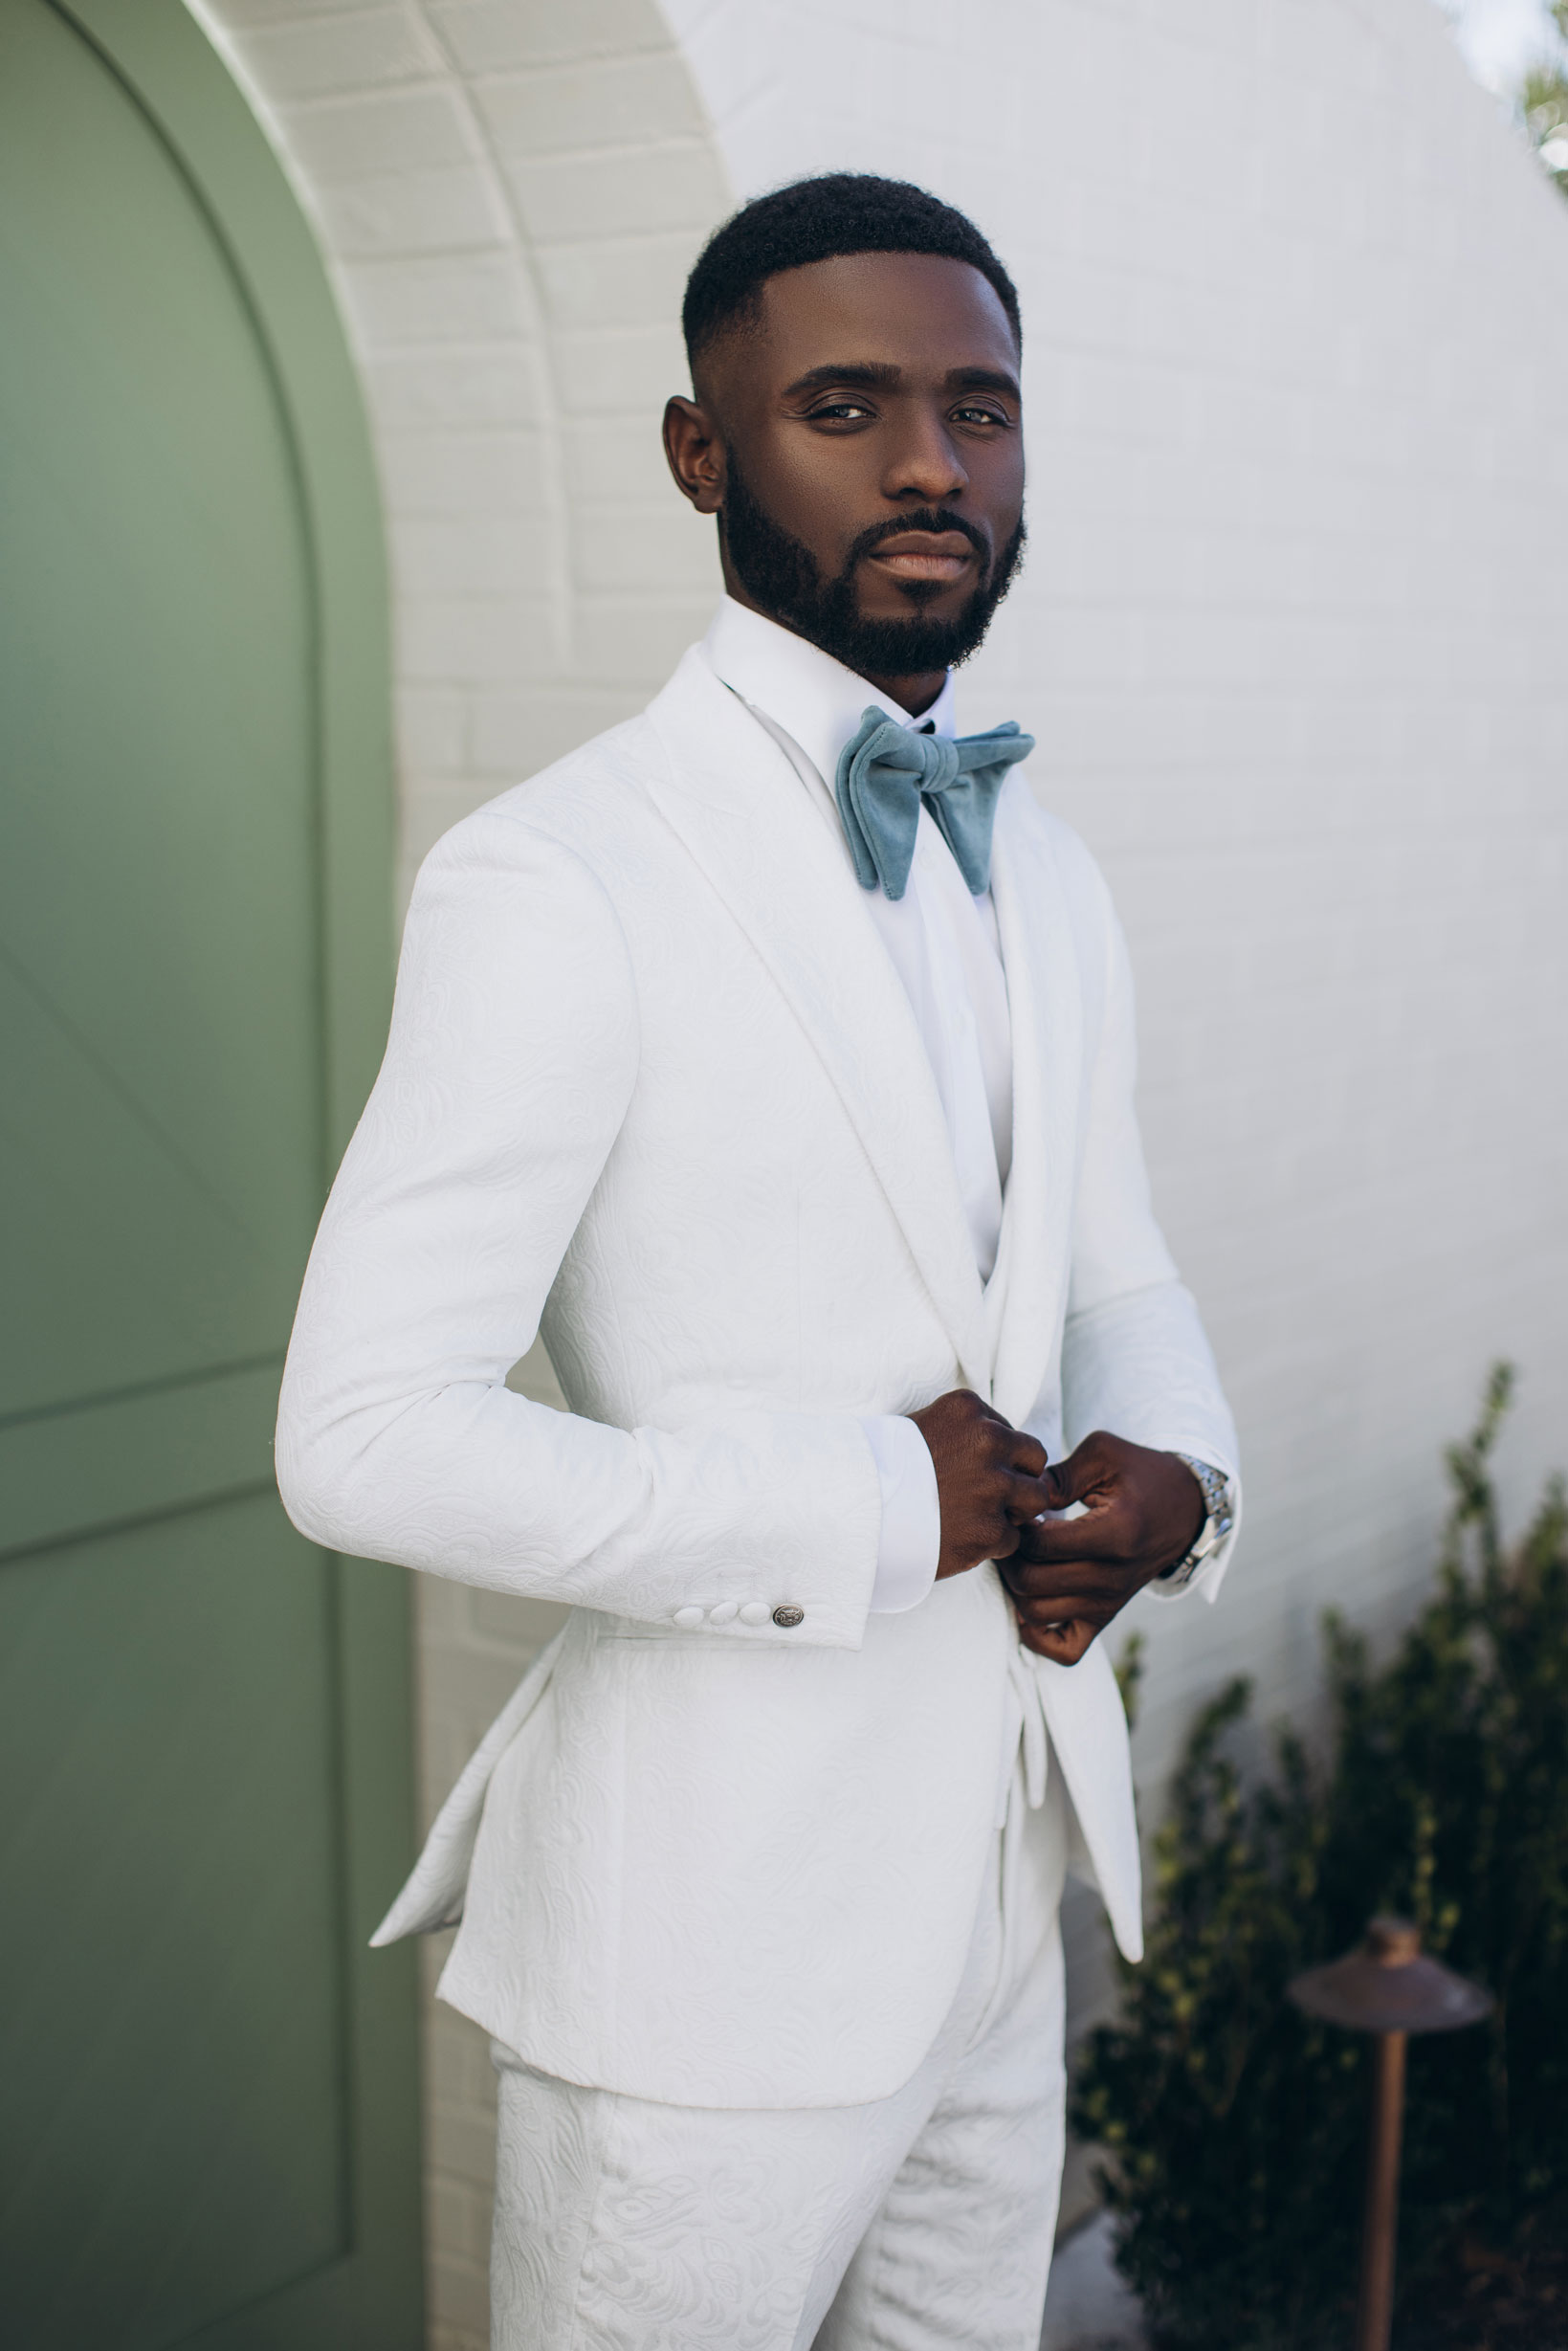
point(925, 555)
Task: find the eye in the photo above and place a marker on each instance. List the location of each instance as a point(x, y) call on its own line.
point(975, 414)
point(838, 412)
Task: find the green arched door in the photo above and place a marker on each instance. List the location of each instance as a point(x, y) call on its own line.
point(207, 2121)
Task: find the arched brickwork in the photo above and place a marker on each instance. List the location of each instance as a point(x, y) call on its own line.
point(509, 196)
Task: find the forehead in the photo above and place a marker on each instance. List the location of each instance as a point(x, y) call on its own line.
point(918, 312)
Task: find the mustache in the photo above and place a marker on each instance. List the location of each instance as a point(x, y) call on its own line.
point(935, 519)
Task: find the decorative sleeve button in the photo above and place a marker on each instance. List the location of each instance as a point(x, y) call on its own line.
point(788, 1616)
point(755, 1612)
point(686, 1618)
point(725, 1613)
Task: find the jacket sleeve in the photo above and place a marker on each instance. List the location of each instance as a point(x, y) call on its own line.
point(1135, 1358)
point(509, 1067)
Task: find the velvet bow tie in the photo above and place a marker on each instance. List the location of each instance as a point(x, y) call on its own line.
point(885, 771)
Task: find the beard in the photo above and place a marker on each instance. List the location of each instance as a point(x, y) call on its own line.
point(785, 578)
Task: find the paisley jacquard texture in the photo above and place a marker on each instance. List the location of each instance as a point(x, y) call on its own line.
point(654, 1082)
point(922, 2221)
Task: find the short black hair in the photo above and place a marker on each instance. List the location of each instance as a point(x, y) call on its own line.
point(815, 220)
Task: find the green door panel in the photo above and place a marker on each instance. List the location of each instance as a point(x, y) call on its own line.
point(110, 1460)
point(175, 2113)
point(207, 2123)
point(155, 681)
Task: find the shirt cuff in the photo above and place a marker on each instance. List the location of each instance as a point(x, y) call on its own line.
point(912, 1516)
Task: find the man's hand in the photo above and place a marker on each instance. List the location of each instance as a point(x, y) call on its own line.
point(988, 1480)
point(1143, 1512)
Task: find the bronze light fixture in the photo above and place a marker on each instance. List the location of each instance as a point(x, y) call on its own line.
point(1387, 1988)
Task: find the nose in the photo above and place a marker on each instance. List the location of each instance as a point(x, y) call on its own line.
point(924, 467)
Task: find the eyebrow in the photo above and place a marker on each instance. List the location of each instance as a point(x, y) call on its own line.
point(876, 375)
point(986, 379)
point(871, 375)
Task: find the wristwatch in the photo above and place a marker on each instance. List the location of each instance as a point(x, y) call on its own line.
point(1217, 1524)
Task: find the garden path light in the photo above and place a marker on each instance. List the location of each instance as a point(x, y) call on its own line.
point(1387, 1988)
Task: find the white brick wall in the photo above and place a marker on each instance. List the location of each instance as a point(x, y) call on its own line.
point(509, 195)
point(1290, 637)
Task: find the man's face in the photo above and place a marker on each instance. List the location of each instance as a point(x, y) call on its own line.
point(863, 447)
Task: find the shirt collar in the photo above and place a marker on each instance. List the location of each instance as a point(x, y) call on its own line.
point(815, 699)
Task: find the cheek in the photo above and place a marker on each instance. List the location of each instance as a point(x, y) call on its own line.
point(997, 480)
point(821, 492)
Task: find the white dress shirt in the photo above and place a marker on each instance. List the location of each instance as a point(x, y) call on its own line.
point(944, 946)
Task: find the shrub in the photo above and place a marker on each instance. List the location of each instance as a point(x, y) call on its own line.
point(1234, 2125)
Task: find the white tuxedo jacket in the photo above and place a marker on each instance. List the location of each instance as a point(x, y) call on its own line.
point(654, 1084)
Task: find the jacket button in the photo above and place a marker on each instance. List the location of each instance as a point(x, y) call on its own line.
point(725, 1613)
point(755, 1612)
point(789, 1617)
point(686, 1618)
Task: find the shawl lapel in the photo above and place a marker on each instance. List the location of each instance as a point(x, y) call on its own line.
point(737, 803)
point(1027, 1296)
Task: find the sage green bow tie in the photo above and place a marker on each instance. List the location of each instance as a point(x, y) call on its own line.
point(885, 771)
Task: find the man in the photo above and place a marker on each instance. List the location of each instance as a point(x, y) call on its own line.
point(773, 1055)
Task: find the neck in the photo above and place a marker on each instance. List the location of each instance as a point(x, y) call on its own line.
point(914, 693)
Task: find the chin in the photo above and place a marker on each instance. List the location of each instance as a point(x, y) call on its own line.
point(917, 606)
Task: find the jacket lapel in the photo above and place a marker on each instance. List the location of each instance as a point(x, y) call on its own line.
point(742, 813)
point(1027, 1296)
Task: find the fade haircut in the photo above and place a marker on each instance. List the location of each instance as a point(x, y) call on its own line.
point(816, 220)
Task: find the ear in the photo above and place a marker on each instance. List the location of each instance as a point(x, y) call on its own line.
point(695, 453)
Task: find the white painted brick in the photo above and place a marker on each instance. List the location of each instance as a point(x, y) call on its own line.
point(513, 734)
point(361, 49)
point(444, 2337)
point(635, 281)
point(460, 2291)
point(626, 371)
point(388, 131)
point(464, 555)
point(430, 728)
point(478, 384)
point(624, 639)
point(434, 302)
point(430, 806)
point(626, 546)
point(590, 107)
point(489, 36)
point(522, 1627)
point(235, 15)
point(452, 209)
point(478, 640)
point(609, 458)
point(444, 475)
point(575, 197)
point(460, 2222)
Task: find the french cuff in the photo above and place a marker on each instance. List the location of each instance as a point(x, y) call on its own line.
point(912, 1516)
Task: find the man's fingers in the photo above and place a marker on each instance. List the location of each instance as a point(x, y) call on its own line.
point(1053, 1585)
point(1097, 1535)
point(1067, 1607)
point(1088, 1467)
point(1027, 1457)
point(1064, 1642)
point(1023, 1501)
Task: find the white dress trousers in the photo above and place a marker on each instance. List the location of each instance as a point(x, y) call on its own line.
point(918, 2221)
